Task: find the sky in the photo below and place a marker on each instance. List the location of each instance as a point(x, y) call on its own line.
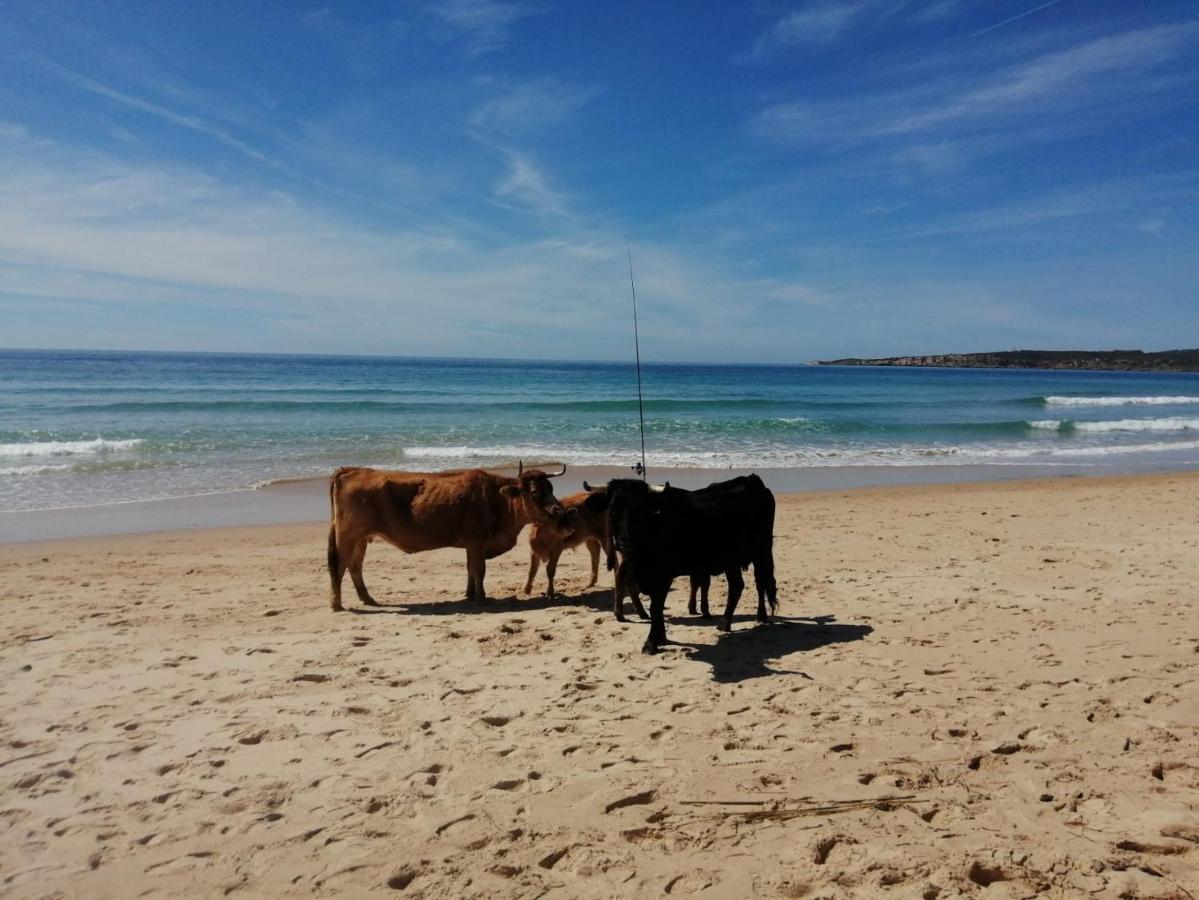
point(792, 180)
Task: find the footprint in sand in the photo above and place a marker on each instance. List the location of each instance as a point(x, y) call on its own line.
point(824, 846)
point(401, 879)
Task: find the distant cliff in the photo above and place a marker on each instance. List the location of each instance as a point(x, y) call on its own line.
point(1102, 360)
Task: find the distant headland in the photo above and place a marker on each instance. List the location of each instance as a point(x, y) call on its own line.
point(1099, 360)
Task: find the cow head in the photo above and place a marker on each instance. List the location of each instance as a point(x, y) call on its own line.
point(533, 490)
point(631, 506)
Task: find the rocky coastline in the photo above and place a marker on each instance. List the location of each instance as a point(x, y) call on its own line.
point(1099, 360)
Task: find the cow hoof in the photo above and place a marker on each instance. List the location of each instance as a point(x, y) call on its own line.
point(649, 648)
point(705, 615)
point(337, 607)
point(725, 626)
point(620, 618)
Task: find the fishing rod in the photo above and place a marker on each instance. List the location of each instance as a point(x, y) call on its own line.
point(639, 468)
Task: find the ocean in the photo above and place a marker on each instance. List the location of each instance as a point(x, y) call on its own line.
point(83, 428)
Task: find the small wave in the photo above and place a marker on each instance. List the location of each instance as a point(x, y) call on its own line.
point(359, 405)
point(67, 448)
point(1034, 453)
point(797, 457)
point(1118, 401)
point(1174, 423)
point(33, 469)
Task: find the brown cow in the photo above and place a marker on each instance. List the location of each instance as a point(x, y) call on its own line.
point(578, 525)
point(469, 508)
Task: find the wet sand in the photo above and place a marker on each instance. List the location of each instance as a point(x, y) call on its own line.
point(307, 499)
point(971, 690)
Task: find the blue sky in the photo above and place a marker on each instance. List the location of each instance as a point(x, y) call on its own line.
point(797, 180)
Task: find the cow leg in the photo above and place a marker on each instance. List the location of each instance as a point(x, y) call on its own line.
point(551, 566)
point(767, 589)
point(700, 584)
point(534, 565)
point(622, 582)
point(631, 589)
point(657, 625)
point(475, 567)
point(354, 566)
point(593, 548)
point(337, 571)
point(634, 595)
point(736, 586)
point(480, 571)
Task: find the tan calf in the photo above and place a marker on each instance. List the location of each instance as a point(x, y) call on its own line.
point(578, 525)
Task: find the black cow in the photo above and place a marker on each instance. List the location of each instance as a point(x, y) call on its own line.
point(662, 533)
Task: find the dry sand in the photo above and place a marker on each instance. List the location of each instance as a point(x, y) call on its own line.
point(979, 690)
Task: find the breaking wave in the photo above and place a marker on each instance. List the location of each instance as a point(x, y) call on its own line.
point(1170, 424)
point(1118, 401)
point(67, 448)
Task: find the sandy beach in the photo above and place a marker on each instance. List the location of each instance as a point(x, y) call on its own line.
point(971, 690)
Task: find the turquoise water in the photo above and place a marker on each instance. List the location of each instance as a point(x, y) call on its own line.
point(87, 428)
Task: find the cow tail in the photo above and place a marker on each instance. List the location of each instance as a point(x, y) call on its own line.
point(334, 558)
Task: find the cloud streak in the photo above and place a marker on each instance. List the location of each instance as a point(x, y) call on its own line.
point(1015, 18)
point(1053, 82)
point(166, 114)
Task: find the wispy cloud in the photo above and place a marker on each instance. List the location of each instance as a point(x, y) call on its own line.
point(826, 22)
point(486, 24)
point(818, 23)
point(530, 107)
point(1088, 75)
point(526, 185)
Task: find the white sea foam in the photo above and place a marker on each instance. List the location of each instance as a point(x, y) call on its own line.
point(1028, 453)
point(1171, 423)
point(1174, 423)
point(1119, 401)
point(67, 448)
point(34, 469)
point(1067, 451)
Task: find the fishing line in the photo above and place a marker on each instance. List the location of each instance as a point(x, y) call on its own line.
point(639, 468)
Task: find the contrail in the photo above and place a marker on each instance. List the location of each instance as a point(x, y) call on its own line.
point(1027, 12)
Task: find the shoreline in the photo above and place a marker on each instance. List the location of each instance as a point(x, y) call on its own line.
point(293, 501)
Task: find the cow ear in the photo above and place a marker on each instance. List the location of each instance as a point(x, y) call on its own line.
point(510, 490)
point(596, 502)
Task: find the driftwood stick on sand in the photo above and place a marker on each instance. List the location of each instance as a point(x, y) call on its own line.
point(781, 812)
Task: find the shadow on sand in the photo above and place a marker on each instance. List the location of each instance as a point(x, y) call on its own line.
point(744, 653)
point(596, 600)
point(738, 655)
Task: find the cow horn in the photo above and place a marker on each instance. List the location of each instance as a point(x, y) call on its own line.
point(520, 467)
point(586, 486)
point(557, 474)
